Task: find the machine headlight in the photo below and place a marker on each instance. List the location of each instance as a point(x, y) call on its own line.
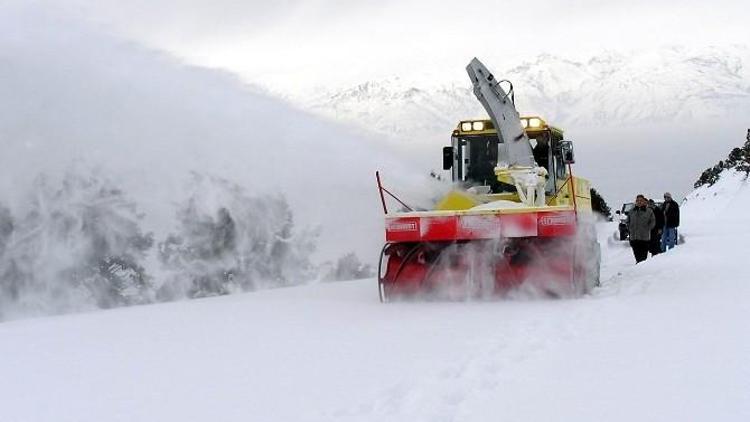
point(534, 122)
point(466, 126)
point(477, 126)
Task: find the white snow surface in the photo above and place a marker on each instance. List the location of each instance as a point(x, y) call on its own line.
point(727, 198)
point(663, 340)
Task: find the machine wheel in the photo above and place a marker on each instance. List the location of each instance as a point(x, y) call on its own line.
point(623, 232)
point(595, 270)
point(587, 271)
point(381, 284)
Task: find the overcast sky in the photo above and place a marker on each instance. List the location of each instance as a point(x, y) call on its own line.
point(294, 45)
point(320, 42)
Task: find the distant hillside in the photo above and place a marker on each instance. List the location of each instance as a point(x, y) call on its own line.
point(610, 89)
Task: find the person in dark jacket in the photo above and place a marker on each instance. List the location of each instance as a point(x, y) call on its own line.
point(641, 221)
point(671, 222)
point(654, 245)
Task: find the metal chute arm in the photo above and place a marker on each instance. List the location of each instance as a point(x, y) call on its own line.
point(499, 105)
point(382, 189)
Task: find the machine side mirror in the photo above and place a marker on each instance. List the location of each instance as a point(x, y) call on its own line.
point(566, 150)
point(447, 158)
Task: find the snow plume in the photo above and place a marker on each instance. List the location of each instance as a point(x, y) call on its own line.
point(71, 93)
point(227, 240)
point(6, 228)
point(78, 246)
point(347, 267)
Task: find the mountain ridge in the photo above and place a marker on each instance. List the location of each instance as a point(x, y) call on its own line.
point(667, 85)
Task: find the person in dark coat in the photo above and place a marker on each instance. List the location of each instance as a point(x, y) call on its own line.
point(671, 222)
point(654, 245)
point(541, 153)
point(641, 221)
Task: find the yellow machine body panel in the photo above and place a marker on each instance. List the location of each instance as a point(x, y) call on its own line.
point(564, 196)
point(459, 200)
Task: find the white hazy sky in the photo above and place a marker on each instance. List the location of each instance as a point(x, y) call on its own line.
point(321, 42)
point(293, 45)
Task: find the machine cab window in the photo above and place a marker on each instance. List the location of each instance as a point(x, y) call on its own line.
point(476, 150)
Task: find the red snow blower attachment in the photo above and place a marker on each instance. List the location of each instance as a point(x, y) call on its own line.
point(517, 221)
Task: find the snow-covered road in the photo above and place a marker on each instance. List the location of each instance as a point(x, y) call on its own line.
point(665, 340)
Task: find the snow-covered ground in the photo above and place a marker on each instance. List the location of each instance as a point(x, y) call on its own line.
point(664, 340)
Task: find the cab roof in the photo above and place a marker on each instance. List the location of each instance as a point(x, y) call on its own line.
point(533, 125)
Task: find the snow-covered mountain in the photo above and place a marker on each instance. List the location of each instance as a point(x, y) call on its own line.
point(633, 110)
point(668, 85)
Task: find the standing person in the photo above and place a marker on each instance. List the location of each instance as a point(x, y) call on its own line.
point(671, 222)
point(654, 245)
point(640, 222)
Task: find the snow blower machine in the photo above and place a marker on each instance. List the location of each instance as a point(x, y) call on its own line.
point(516, 223)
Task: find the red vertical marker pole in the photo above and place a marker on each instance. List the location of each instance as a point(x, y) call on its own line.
point(380, 191)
